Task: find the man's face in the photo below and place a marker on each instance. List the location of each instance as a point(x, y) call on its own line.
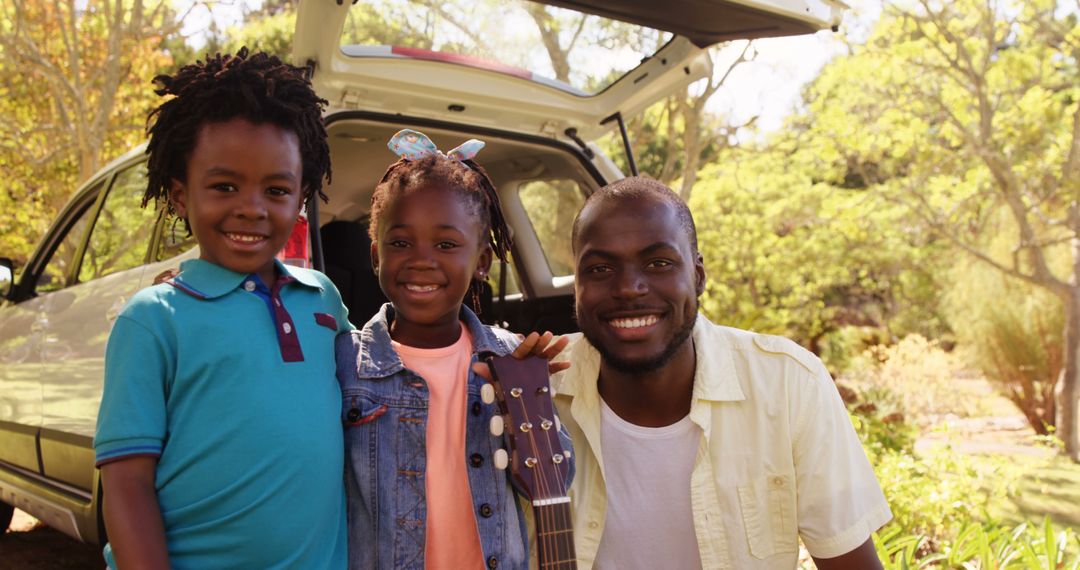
point(637, 282)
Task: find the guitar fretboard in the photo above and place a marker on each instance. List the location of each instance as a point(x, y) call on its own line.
point(555, 537)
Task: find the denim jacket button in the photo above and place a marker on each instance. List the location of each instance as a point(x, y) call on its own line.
point(476, 409)
point(353, 414)
point(486, 510)
point(493, 563)
point(476, 460)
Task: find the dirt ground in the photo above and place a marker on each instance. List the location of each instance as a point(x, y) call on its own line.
point(29, 545)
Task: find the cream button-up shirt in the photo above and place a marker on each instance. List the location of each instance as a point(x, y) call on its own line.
point(779, 458)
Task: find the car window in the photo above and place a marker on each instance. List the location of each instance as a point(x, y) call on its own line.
point(515, 37)
point(551, 206)
point(512, 287)
point(54, 276)
point(121, 234)
point(175, 239)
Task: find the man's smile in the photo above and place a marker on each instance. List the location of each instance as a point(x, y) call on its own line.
point(634, 322)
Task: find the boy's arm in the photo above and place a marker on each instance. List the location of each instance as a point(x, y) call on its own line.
point(132, 514)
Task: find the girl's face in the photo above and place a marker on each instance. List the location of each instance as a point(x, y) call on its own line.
point(427, 251)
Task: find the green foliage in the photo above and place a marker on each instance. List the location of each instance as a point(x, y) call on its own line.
point(983, 546)
point(74, 94)
point(917, 376)
point(790, 255)
point(936, 493)
point(880, 422)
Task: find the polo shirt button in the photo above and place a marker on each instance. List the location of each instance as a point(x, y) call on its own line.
point(287, 328)
point(476, 459)
point(485, 510)
point(493, 563)
point(476, 409)
point(593, 524)
point(249, 285)
point(778, 481)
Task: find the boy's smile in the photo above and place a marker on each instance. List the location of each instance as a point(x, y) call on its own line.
point(242, 194)
point(428, 250)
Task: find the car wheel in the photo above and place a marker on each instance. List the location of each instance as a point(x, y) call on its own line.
point(6, 513)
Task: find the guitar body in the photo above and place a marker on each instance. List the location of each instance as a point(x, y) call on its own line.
point(539, 465)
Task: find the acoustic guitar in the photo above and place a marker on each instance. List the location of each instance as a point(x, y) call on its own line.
point(537, 461)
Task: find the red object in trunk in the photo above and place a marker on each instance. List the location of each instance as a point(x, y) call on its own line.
point(296, 249)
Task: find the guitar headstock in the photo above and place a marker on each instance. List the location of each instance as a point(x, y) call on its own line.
point(538, 462)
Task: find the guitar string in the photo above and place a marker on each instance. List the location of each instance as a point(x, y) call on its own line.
point(561, 513)
point(539, 479)
point(551, 515)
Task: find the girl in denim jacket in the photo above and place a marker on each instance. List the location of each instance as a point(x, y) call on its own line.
point(422, 488)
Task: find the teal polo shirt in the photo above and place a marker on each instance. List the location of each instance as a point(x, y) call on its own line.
point(231, 384)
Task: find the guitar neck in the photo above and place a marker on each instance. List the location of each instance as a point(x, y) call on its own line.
point(555, 537)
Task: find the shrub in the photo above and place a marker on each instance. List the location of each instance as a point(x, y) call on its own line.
point(1012, 332)
point(916, 376)
point(937, 493)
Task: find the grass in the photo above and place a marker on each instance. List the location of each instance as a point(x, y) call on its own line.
point(1050, 488)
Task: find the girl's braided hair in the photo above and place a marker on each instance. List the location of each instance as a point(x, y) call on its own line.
point(465, 177)
point(259, 88)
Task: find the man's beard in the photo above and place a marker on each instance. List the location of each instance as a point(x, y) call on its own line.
point(638, 367)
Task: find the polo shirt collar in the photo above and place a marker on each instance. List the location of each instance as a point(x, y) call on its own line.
point(205, 280)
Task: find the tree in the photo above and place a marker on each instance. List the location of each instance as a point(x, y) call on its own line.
point(678, 136)
point(958, 111)
point(75, 79)
point(789, 252)
point(1012, 330)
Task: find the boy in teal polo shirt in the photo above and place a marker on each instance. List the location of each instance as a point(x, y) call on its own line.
point(218, 437)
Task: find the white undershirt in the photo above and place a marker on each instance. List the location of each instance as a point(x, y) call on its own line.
point(649, 522)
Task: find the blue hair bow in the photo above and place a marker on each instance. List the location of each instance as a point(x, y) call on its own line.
point(414, 145)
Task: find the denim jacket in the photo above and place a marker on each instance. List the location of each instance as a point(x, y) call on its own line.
point(384, 413)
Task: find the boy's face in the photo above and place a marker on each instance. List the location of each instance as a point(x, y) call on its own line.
point(426, 254)
point(242, 194)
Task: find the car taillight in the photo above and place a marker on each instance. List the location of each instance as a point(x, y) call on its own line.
point(296, 251)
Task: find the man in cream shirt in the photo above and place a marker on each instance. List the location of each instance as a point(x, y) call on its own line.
point(698, 446)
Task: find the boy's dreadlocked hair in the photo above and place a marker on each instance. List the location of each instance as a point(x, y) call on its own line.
point(465, 177)
point(259, 88)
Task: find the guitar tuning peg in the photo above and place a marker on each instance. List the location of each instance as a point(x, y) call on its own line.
point(501, 459)
point(487, 393)
point(497, 426)
point(566, 453)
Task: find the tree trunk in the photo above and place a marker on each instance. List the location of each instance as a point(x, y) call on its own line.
point(1068, 386)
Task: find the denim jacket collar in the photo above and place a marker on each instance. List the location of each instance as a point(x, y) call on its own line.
point(378, 359)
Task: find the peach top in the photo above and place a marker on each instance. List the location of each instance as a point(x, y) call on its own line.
point(453, 540)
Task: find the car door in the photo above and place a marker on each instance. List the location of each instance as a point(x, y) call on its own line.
point(109, 270)
point(25, 341)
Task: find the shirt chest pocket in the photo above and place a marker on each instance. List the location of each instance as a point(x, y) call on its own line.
point(768, 511)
